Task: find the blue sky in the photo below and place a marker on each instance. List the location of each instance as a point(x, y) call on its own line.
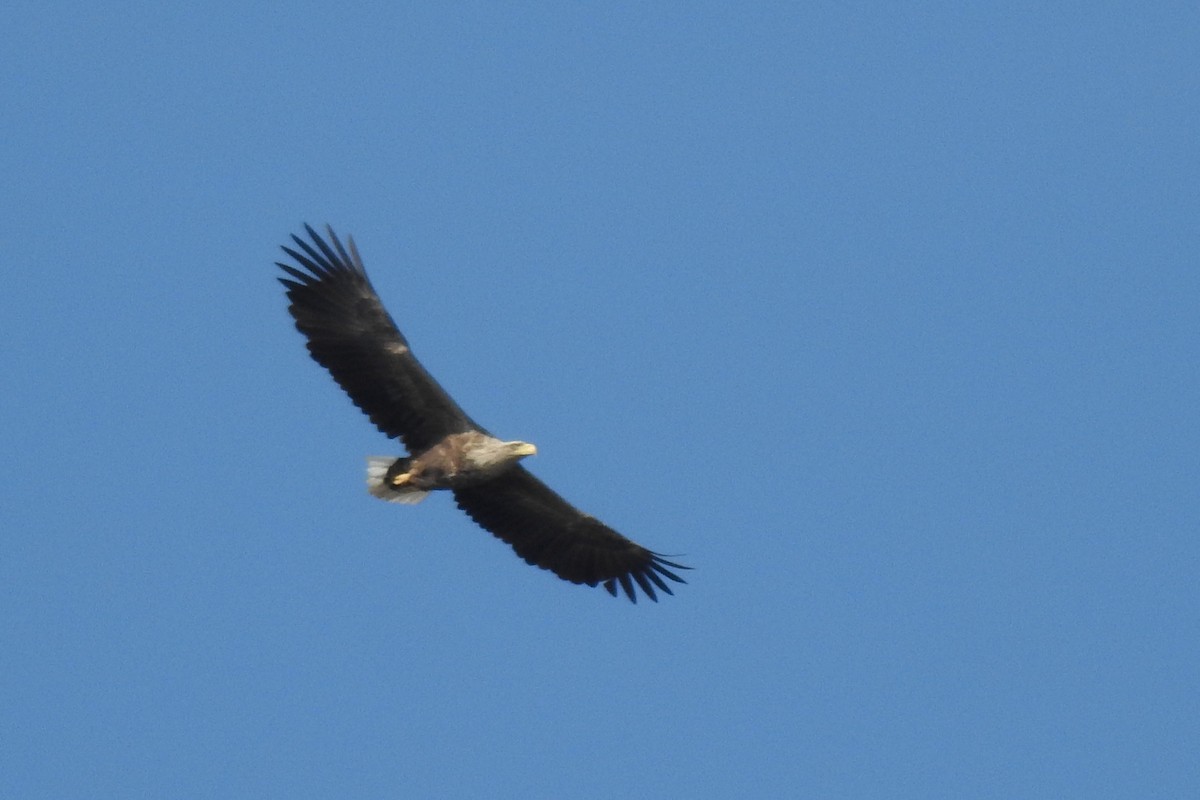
point(882, 316)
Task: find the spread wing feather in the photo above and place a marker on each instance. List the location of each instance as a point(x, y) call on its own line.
point(548, 532)
point(351, 334)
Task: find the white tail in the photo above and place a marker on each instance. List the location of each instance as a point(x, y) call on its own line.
point(377, 469)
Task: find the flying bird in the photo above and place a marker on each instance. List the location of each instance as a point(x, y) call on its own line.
point(351, 334)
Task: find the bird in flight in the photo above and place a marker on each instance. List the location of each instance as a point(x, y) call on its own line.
point(351, 334)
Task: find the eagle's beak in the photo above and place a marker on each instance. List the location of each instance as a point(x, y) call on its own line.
point(526, 449)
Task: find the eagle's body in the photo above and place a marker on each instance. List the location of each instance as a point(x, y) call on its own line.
point(458, 461)
point(351, 335)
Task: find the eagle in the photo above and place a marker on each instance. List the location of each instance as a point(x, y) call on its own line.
point(351, 334)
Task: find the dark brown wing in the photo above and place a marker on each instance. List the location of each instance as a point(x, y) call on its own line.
point(351, 335)
point(550, 533)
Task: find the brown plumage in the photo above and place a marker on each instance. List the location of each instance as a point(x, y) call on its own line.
point(351, 335)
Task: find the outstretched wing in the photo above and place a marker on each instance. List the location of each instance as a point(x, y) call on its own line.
point(351, 335)
point(550, 533)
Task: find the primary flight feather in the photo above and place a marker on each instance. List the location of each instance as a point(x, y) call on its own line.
point(351, 334)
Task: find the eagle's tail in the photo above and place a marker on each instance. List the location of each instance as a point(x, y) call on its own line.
point(378, 468)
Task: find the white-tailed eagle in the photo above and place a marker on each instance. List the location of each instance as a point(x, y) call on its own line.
point(351, 335)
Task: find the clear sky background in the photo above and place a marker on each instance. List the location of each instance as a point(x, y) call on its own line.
point(884, 317)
